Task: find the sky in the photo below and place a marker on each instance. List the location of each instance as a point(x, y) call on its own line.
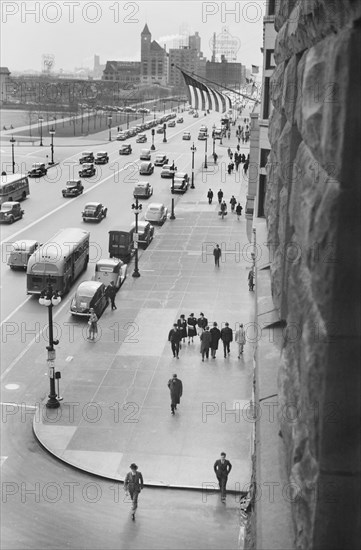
point(73, 31)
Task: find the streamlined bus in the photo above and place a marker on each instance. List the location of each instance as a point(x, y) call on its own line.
point(13, 187)
point(59, 261)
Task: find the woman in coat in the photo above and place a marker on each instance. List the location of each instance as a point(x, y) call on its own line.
point(191, 325)
point(182, 326)
point(205, 338)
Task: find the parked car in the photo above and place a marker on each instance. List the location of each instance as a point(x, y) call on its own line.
point(110, 269)
point(161, 159)
point(196, 115)
point(142, 138)
point(168, 170)
point(145, 154)
point(217, 133)
point(125, 149)
point(87, 171)
point(143, 190)
point(180, 120)
point(160, 130)
point(181, 182)
point(73, 188)
point(10, 212)
point(101, 158)
point(186, 136)
point(171, 124)
point(146, 168)
point(21, 252)
point(89, 294)
point(156, 213)
point(122, 136)
point(86, 156)
point(145, 233)
point(143, 110)
point(121, 243)
point(94, 212)
point(38, 169)
point(202, 136)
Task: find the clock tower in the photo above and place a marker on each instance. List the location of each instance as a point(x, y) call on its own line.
point(146, 39)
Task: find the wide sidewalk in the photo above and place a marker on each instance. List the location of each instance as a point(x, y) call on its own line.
point(116, 405)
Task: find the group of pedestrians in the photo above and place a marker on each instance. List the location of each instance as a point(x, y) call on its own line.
point(235, 205)
point(209, 337)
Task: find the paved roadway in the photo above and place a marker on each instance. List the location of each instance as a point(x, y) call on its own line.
point(104, 524)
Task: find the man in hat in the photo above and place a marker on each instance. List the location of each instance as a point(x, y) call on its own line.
point(133, 484)
point(176, 390)
point(222, 468)
point(174, 337)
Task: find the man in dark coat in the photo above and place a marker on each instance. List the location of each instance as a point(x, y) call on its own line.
point(111, 292)
point(220, 196)
point(215, 337)
point(174, 337)
point(222, 468)
point(206, 339)
point(210, 196)
point(176, 390)
point(217, 253)
point(227, 338)
point(133, 484)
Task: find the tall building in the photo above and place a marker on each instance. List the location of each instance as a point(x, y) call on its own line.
point(226, 73)
point(191, 60)
point(194, 42)
point(154, 60)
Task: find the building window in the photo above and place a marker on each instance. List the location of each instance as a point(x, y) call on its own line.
point(271, 7)
point(266, 98)
point(270, 59)
point(264, 157)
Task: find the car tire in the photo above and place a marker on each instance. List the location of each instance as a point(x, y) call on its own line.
point(105, 212)
point(11, 219)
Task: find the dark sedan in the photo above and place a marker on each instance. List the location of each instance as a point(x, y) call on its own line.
point(125, 149)
point(89, 294)
point(87, 171)
point(94, 212)
point(73, 188)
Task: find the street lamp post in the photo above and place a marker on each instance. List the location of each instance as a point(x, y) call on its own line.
point(164, 133)
point(153, 146)
point(214, 140)
point(12, 141)
point(52, 132)
point(49, 298)
point(137, 208)
point(164, 107)
point(172, 215)
point(41, 120)
point(110, 127)
point(193, 149)
point(154, 111)
point(127, 121)
point(205, 151)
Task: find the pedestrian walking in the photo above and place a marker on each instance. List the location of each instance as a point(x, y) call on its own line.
point(210, 196)
point(229, 134)
point(243, 158)
point(251, 280)
point(240, 338)
point(229, 168)
point(223, 211)
point(174, 337)
point(215, 158)
point(239, 210)
point(176, 390)
point(202, 322)
point(191, 325)
point(245, 168)
point(238, 147)
point(227, 338)
point(93, 325)
point(206, 339)
point(232, 167)
point(217, 253)
point(111, 292)
point(215, 337)
point(133, 484)
point(182, 327)
point(222, 468)
point(233, 203)
point(220, 196)
point(229, 151)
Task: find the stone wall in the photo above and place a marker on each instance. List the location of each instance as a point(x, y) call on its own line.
point(313, 218)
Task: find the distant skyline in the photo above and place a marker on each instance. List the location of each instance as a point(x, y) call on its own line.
point(74, 31)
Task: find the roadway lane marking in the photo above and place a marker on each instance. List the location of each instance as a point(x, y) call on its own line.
point(21, 405)
point(14, 311)
point(26, 349)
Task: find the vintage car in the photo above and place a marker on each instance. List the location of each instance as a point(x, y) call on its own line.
point(110, 269)
point(101, 158)
point(10, 212)
point(186, 136)
point(196, 115)
point(122, 136)
point(121, 243)
point(142, 190)
point(89, 294)
point(156, 213)
point(38, 169)
point(161, 159)
point(73, 188)
point(145, 233)
point(181, 182)
point(21, 252)
point(168, 170)
point(145, 154)
point(86, 156)
point(125, 149)
point(217, 134)
point(171, 124)
point(160, 129)
point(87, 171)
point(94, 212)
point(146, 168)
point(142, 138)
point(202, 136)
point(180, 120)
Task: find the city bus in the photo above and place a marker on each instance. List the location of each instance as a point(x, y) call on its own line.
point(14, 187)
point(59, 261)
